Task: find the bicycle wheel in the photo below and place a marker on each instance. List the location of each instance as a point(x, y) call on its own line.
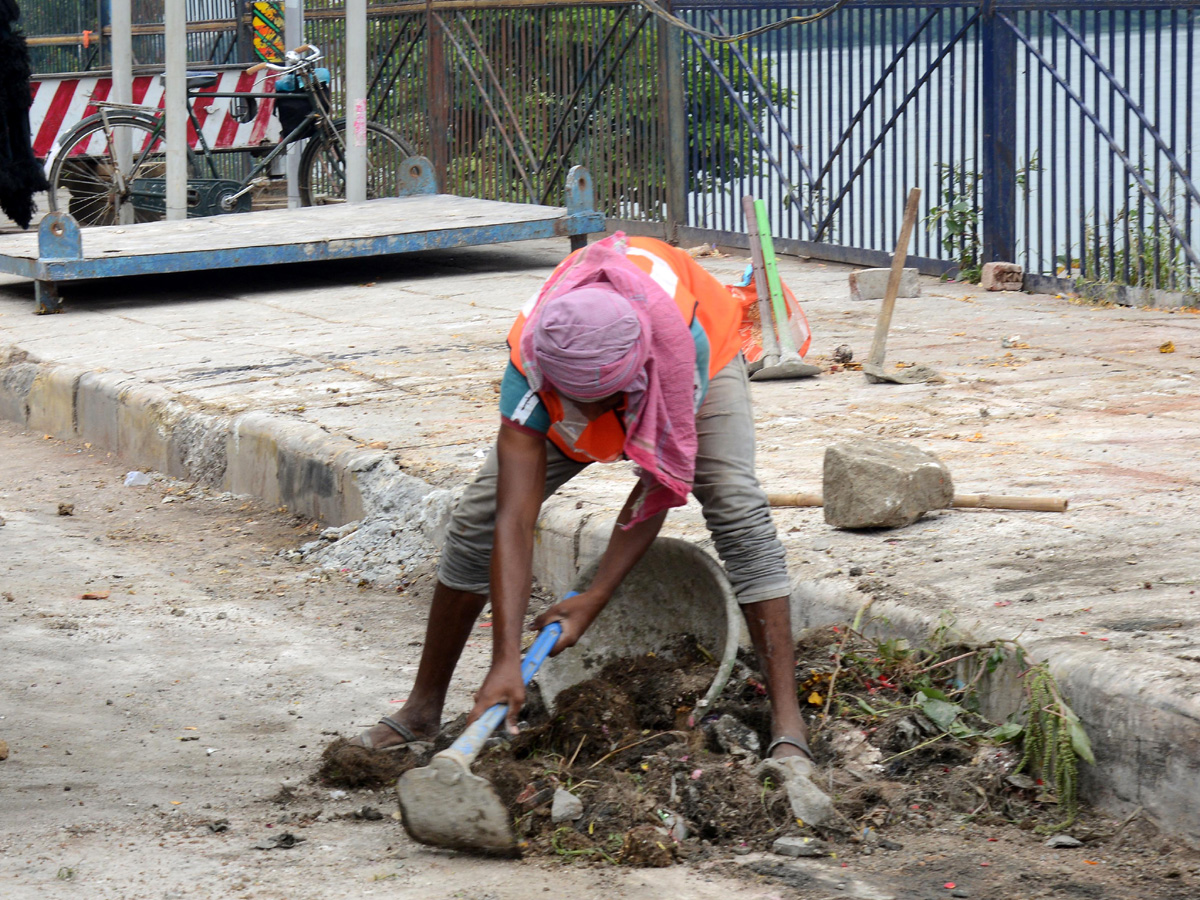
point(323, 165)
point(86, 181)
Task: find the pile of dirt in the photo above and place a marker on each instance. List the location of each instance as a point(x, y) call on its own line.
point(897, 747)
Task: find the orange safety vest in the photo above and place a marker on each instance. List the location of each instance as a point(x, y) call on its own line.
point(696, 293)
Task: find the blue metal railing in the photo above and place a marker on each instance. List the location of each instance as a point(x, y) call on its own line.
point(1058, 134)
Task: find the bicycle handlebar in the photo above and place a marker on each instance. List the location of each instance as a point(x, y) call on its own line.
point(292, 60)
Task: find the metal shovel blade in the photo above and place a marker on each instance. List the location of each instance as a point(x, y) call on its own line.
point(443, 804)
point(913, 375)
point(784, 368)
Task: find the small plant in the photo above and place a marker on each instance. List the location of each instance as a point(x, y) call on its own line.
point(1054, 741)
point(957, 213)
point(942, 681)
point(1135, 253)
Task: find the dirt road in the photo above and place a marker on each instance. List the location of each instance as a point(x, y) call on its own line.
point(195, 689)
point(169, 681)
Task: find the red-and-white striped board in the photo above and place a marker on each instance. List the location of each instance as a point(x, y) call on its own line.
point(61, 102)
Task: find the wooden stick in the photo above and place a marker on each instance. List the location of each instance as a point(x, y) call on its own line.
point(879, 344)
point(992, 501)
point(961, 501)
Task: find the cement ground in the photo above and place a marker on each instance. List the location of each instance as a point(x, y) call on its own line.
point(329, 388)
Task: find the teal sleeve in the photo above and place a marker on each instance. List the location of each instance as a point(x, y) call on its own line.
point(520, 405)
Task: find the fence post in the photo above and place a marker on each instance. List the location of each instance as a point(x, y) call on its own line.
point(998, 91)
point(439, 99)
point(673, 119)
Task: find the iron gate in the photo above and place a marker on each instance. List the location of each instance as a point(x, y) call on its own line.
point(1060, 135)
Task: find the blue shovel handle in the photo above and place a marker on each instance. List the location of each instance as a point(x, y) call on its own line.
point(471, 741)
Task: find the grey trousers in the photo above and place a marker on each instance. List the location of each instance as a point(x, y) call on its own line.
point(734, 505)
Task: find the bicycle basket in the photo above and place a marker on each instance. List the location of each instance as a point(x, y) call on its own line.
point(292, 103)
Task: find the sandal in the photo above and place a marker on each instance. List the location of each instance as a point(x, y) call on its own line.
point(364, 740)
point(799, 743)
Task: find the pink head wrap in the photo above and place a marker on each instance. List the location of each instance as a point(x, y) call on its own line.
point(589, 343)
point(602, 325)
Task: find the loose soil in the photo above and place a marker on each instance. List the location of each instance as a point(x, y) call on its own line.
point(933, 816)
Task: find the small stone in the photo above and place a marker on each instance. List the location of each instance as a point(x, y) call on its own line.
point(66, 509)
point(1028, 598)
point(871, 284)
point(842, 354)
point(565, 808)
point(798, 846)
point(3, 750)
point(885, 844)
point(3, 521)
point(222, 615)
point(1002, 276)
point(959, 892)
point(368, 813)
point(856, 570)
point(1063, 842)
point(735, 737)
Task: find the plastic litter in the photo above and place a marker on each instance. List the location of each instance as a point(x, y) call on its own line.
point(137, 479)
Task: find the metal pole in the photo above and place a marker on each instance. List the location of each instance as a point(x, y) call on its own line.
point(175, 34)
point(122, 90)
point(439, 96)
point(293, 35)
point(673, 118)
point(999, 115)
point(356, 101)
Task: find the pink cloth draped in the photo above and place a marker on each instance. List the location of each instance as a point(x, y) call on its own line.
point(581, 341)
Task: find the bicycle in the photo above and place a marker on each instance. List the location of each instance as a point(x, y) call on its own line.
point(97, 189)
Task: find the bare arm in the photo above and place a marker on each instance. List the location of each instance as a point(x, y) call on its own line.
point(520, 486)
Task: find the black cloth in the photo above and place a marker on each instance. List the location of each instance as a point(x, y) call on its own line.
point(21, 175)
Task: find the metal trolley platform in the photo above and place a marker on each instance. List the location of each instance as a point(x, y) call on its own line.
point(418, 219)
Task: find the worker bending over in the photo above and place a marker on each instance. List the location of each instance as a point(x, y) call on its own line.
point(630, 351)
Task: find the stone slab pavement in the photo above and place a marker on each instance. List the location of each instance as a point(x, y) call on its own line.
point(294, 383)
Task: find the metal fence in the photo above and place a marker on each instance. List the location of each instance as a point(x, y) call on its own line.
point(1060, 135)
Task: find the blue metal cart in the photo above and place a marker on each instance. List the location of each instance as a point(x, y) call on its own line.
point(418, 219)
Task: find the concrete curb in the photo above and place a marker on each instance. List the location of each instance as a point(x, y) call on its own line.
point(1146, 734)
point(279, 460)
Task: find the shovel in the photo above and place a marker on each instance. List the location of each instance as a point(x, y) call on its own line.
point(780, 358)
point(444, 804)
point(873, 368)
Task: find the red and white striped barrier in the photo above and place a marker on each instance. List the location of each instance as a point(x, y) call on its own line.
point(60, 102)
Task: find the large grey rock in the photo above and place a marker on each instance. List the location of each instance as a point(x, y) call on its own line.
point(882, 484)
point(871, 284)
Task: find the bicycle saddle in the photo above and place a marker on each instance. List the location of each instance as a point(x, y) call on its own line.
point(194, 79)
